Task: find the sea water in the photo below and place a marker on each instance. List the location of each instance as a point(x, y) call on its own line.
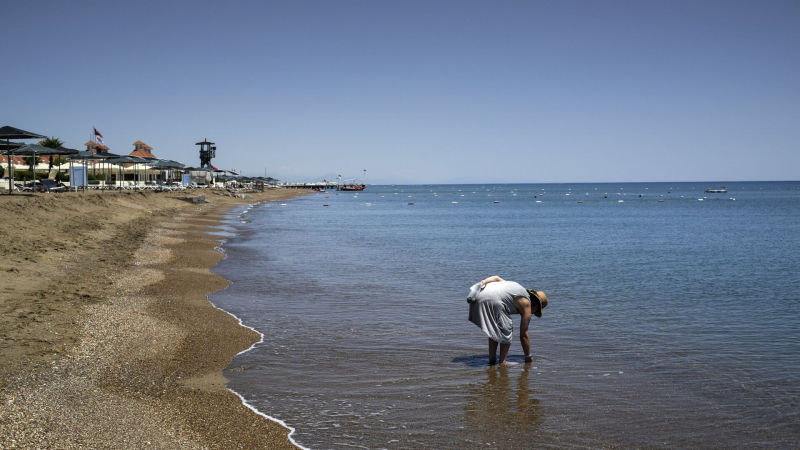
point(673, 315)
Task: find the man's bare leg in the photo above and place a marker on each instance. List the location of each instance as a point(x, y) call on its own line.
point(504, 348)
point(493, 352)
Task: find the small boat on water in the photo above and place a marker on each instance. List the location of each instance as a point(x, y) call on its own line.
point(352, 185)
point(722, 190)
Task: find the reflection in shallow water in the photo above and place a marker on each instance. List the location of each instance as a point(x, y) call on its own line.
point(502, 406)
point(483, 360)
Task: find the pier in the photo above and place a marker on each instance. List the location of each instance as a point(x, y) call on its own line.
point(318, 185)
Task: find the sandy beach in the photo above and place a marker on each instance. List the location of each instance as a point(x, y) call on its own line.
point(107, 339)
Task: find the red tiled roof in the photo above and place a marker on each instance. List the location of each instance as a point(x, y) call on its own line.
point(20, 160)
point(147, 147)
point(142, 154)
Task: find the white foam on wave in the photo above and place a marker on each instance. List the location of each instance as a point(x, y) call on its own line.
point(244, 401)
point(252, 408)
point(220, 249)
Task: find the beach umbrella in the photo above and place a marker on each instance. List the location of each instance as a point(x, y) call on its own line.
point(87, 156)
point(34, 151)
point(4, 146)
point(127, 159)
point(7, 133)
point(38, 150)
point(164, 164)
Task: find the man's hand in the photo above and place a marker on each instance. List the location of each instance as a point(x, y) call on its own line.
point(492, 279)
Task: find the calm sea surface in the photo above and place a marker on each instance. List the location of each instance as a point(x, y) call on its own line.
point(670, 324)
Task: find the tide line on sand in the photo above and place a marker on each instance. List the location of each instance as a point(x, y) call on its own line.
point(244, 401)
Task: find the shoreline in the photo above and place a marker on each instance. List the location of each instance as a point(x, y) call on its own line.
point(121, 345)
point(251, 347)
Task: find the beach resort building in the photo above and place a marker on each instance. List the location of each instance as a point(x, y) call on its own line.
point(142, 150)
point(125, 172)
point(94, 147)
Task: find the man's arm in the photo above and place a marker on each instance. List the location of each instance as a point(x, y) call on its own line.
point(492, 279)
point(524, 308)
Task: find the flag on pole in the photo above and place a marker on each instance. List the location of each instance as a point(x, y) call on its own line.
point(98, 136)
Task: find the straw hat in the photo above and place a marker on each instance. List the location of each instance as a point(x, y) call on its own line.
point(540, 298)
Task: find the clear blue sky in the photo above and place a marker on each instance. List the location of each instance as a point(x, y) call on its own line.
point(420, 92)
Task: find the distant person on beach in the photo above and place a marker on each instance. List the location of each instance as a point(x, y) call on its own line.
point(492, 301)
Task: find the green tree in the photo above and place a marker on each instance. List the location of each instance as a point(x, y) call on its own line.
point(52, 142)
point(31, 162)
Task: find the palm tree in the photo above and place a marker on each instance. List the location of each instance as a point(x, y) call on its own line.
point(31, 162)
point(52, 142)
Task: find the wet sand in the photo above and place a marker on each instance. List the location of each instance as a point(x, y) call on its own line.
point(107, 339)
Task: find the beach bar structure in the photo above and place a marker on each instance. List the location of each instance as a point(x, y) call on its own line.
point(200, 176)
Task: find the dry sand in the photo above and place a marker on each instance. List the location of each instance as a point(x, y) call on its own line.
point(107, 339)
